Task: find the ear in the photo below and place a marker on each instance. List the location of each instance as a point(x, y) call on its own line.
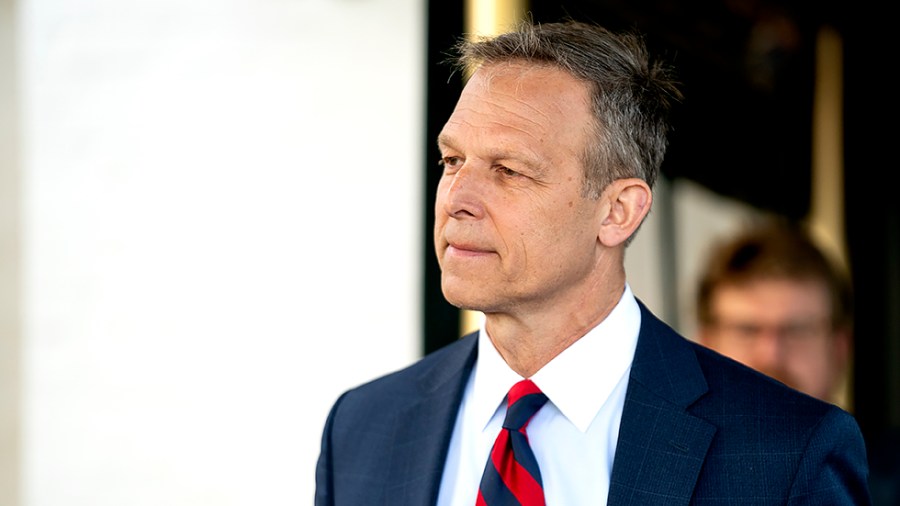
point(627, 203)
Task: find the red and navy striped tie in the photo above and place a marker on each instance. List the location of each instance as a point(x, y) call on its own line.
point(511, 476)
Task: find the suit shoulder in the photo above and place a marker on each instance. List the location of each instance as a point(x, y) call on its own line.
point(426, 373)
point(767, 431)
point(736, 388)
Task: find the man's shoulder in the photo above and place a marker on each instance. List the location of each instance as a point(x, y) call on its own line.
point(731, 388)
point(446, 366)
point(740, 395)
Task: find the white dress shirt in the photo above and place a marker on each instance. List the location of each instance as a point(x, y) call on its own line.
point(573, 436)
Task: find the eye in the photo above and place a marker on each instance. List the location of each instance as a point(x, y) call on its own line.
point(450, 162)
point(506, 171)
point(746, 331)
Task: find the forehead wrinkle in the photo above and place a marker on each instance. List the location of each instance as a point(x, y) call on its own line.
point(515, 96)
point(515, 148)
point(522, 74)
point(522, 122)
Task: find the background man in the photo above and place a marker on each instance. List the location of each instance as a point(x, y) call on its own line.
point(771, 299)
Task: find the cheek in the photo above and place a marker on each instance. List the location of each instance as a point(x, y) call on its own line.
point(438, 195)
point(568, 229)
point(439, 201)
point(547, 244)
point(438, 234)
point(812, 359)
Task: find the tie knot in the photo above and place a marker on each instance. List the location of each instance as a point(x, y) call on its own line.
point(523, 401)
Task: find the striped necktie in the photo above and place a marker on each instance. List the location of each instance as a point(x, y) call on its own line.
point(511, 476)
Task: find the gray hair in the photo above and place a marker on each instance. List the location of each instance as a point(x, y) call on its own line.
point(631, 95)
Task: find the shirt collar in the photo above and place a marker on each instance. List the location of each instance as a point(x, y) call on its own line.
point(578, 381)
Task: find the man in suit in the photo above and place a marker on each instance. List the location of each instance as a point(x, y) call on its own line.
point(549, 159)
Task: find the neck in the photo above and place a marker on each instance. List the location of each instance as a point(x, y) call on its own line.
point(529, 339)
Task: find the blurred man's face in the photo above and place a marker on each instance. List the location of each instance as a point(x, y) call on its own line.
point(783, 329)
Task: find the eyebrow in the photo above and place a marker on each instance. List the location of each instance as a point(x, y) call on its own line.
point(444, 140)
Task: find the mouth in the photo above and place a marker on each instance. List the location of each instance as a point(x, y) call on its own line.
point(466, 250)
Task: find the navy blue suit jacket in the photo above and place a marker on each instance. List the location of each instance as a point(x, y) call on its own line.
point(697, 428)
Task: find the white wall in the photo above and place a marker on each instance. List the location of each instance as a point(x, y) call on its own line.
point(10, 267)
point(220, 233)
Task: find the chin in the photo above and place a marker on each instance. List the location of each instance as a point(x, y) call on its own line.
point(462, 297)
point(457, 300)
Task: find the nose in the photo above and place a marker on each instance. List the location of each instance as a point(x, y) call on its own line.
point(462, 194)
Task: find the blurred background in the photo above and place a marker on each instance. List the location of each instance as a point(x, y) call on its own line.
point(216, 216)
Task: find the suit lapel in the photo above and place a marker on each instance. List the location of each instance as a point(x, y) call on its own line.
point(661, 447)
point(422, 431)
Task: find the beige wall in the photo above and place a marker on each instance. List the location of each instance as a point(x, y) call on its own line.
point(10, 247)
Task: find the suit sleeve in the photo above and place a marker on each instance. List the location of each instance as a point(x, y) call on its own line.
point(834, 468)
point(324, 470)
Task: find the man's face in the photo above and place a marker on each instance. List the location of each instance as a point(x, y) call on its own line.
point(512, 230)
point(782, 328)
